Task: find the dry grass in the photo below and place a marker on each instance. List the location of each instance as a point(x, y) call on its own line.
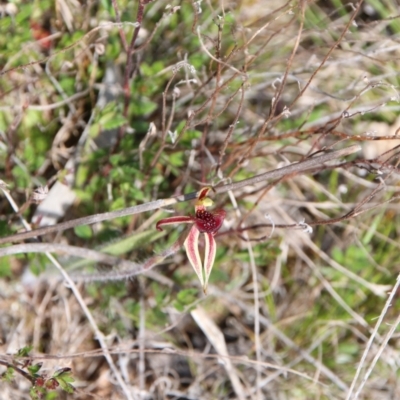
point(112, 115)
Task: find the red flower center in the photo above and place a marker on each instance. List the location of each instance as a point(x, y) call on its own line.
point(207, 222)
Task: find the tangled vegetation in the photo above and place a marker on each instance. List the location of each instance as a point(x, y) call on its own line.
point(114, 115)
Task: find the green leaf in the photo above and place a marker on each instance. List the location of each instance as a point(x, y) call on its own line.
point(67, 377)
point(106, 118)
point(32, 118)
point(94, 130)
point(60, 373)
point(142, 107)
point(179, 306)
point(373, 227)
point(83, 231)
point(117, 204)
point(151, 70)
point(65, 386)
point(68, 84)
point(110, 107)
point(24, 13)
point(122, 245)
point(52, 395)
point(33, 369)
point(176, 159)
point(127, 244)
point(114, 122)
point(24, 352)
point(37, 392)
point(5, 267)
point(187, 296)
point(8, 375)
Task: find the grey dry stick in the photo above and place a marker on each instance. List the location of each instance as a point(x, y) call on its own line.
point(292, 169)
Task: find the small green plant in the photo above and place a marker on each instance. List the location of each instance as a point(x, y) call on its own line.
point(42, 383)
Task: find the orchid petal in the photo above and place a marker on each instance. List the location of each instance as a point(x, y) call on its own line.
point(180, 219)
point(209, 222)
point(192, 250)
point(209, 257)
point(202, 199)
point(203, 193)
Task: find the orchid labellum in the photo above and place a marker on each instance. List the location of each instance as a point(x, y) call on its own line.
point(204, 222)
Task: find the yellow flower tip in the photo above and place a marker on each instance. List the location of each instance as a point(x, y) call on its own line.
point(204, 202)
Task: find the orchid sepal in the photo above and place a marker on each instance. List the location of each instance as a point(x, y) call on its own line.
point(192, 251)
point(209, 257)
point(179, 219)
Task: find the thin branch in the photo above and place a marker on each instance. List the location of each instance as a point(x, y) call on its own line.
point(257, 330)
point(118, 18)
point(19, 370)
point(70, 250)
point(129, 68)
point(328, 54)
point(51, 106)
point(369, 345)
point(123, 269)
point(293, 169)
point(97, 333)
point(219, 61)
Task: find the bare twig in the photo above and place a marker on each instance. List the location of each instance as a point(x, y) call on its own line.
point(369, 345)
point(20, 371)
point(118, 18)
point(293, 169)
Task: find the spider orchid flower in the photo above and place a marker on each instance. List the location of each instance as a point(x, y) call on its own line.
point(204, 222)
